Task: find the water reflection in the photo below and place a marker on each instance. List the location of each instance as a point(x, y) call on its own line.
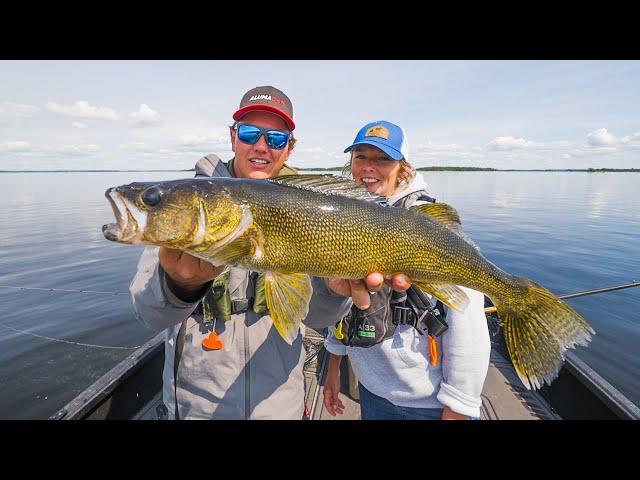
point(567, 231)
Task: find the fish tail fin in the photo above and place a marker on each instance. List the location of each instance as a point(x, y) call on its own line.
point(538, 328)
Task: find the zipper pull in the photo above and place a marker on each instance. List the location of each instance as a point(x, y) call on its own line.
point(212, 342)
point(337, 331)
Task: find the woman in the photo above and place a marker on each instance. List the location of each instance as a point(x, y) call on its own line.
point(408, 375)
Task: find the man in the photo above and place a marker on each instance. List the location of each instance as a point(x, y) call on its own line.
point(223, 357)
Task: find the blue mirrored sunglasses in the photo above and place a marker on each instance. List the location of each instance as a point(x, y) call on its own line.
point(275, 139)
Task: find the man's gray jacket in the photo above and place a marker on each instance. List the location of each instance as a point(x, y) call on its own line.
point(256, 375)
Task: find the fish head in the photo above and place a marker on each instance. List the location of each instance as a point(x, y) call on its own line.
point(191, 215)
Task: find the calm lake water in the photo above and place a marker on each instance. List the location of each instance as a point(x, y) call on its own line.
point(567, 231)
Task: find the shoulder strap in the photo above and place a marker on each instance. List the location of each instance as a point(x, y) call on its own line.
point(425, 197)
point(409, 200)
point(287, 170)
point(211, 166)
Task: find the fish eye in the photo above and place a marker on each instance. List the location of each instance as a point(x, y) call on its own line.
point(151, 196)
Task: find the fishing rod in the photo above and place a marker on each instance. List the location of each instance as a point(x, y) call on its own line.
point(635, 283)
point(101, 292)
point(67, 341)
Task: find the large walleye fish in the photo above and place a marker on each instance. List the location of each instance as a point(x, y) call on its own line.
point(291, 227)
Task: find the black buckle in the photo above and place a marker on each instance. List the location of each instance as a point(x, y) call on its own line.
point(406, 316)
point(241, 305)
point(434, 322)
point(403, 316)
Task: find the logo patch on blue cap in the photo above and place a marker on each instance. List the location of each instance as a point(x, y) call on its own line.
point(377, 131)
point(385, 136)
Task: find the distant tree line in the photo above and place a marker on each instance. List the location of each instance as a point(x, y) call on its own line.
point(486, 169)
point(613, 170)
point(456, 169)
point(338, 169)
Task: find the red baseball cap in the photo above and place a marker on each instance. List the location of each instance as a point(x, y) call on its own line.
point(267, 99)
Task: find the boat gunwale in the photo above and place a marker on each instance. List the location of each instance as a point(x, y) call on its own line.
point(601, 388)
point(92, 396)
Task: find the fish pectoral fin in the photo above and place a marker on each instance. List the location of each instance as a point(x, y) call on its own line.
point(446, 215)
point(288, 296)
point(450, 295)
point(232, 252)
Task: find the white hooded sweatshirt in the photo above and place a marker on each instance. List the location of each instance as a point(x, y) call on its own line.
point(398, 369)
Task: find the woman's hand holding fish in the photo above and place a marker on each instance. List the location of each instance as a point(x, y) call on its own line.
point(359, 290)
point(186, 274)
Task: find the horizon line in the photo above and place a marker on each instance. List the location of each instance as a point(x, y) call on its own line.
point(435, 168)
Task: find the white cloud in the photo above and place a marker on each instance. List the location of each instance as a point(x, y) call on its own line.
point(10, 111)
point(82, 109)
point(195, 140)
point(429, 154)
point(145, 116)
point(138, 146)
point(508, 143)
point(145, 148)
point(566, 155)
point(436, 153)
point(586, 152)
point(192, 139)
point(78, 125)
point(600, 137)
point(312, 150)
point(435, 147)
point(79, 149)
point(555, 145)
point(17, 146)
point(631, 138)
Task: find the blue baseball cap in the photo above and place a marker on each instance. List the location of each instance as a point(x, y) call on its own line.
point(386, 136)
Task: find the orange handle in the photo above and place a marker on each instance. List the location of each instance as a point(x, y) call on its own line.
point(433, 351)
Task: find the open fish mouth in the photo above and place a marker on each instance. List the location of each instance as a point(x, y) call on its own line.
point(130, 220)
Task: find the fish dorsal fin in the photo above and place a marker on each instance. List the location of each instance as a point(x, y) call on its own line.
point(329, 185)
point(288, 296)
point(446, 215)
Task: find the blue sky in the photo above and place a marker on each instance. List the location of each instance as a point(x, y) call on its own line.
point(166, 114)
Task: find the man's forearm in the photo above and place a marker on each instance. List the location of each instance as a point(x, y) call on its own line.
point(154, 304)
point(334, 363)
point(187, 294)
